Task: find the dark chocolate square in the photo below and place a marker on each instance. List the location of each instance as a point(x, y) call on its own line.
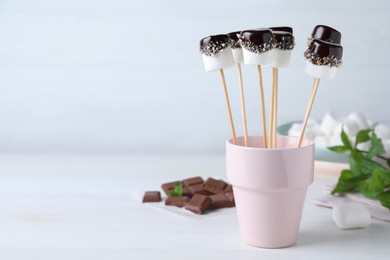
point(214, 186)
point(178, 201)
point(229, 188)
point(220, 200)
point(169, 186)
point(152, 196)
point(198, 189)
point(230, 196)
point(192, 181)
point(198, 203)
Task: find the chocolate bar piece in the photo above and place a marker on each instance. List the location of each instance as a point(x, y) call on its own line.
point(169, 186)
point(192, 181)
point(229, 188)
point(230, 196)
point(152, 196)
point(198, 189)
point(198, 203)
point(178, 201)
point(220, 200)
point(214, 186)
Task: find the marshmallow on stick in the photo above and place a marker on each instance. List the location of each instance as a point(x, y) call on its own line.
point(322, 61)
point(283, 46)
point(238, 59)
point(217, 55)
point(257, 48)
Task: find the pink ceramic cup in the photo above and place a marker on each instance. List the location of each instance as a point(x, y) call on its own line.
point(269, 188)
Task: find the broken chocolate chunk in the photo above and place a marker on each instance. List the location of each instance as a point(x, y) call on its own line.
point(214, 186)
point(229, 188)
point(178, 201)
point(198, 204)
point(220, 200)
point(198, 189)
point(192, 181)
point(152, 196)
point(230, 196)
point(169, 186)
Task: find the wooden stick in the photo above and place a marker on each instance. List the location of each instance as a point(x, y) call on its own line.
point(308, 109)
point(242, 104)
point(228, 106)
point(262, 106)
point(275, 142)
point(272, 114)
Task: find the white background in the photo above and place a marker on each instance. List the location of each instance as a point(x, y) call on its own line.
point(119, 76)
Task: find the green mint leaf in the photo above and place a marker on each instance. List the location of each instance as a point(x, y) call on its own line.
point(355, 162)
point(362, 136)
point(347, 182)
point(384, 198)
point(345, 139)
point(338, 149)
point(373, 186)
point(385, 175)
point(177, 190)
point(376, 146)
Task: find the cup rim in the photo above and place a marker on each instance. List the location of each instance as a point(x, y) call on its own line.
point(305, 144)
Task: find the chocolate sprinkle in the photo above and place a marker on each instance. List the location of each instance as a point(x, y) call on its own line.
point(257, 41)
point(283, 40)
point(213, 44)
point(234, 40)
point(324, 53)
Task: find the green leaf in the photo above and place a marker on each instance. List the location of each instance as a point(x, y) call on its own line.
point(376, 146)
point(338, 149)
point(385, 175)
point(345, 139)
point(373, 186)
point(177, 190)
point(354, 162)
point(384, 198)
point(362, 136)
point(347, 182)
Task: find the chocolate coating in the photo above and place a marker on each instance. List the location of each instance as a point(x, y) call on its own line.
point(324, 53)
point(213, 44)
point(283, 40)
point(282, 29)
point(234, 40)
point(257, 41)
point(326, 33)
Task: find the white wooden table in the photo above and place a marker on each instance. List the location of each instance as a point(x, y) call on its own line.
point(83, 207)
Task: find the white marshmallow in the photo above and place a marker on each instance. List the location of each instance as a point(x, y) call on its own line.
point(329, 123)
point(382, 131)
point(282, 58)
point(321, 141)
point(359, 119)
point(222, 60)
point(320, 71)
point(295, 130)
point(351, 215)
point(265, 58)
point(237, 55)
point(351, 127)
